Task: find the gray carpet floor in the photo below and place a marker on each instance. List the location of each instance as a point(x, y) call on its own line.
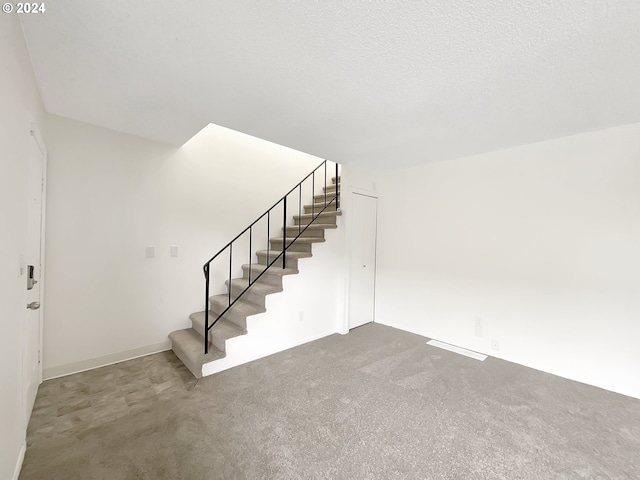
point(377, 403)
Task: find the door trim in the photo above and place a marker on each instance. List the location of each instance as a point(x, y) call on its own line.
point(349, 235)
point(34, 131)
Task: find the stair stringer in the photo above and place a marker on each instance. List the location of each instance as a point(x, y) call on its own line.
point(317, 291)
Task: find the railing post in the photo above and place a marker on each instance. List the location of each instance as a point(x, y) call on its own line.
point(337, 189)
point(206, 308)
point(284, 242)
point(250, 238)
point(230, 261)
point(268, 242)
point(299, 207)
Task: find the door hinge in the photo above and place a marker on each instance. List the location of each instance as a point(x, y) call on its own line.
point(39, 357)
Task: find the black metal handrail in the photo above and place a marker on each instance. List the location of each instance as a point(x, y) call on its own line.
point(283, 200)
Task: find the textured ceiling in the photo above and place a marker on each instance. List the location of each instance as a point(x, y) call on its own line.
point(385, 82)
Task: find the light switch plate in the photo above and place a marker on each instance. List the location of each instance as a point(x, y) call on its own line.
point(174, 250)
point(150, 251)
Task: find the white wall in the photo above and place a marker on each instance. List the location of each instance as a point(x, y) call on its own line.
point(20, 105)
point(542, 242)
point(110, 195)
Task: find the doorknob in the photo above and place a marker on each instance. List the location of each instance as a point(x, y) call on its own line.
point(33, 305)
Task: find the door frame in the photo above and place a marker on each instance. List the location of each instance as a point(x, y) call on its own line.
point(37, 137)
point(350, 191)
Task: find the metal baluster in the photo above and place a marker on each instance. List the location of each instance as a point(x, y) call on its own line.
point(337, 190)
point(268, 226)
point(299, 207)
point(206, 308)
point(250, 237)
point(230, 259)
point(284, 243)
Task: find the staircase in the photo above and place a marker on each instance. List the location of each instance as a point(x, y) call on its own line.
point(259, 280)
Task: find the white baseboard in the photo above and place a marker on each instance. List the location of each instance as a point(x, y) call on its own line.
point(459, 350)
point(16, 471)
point(403, 328)
point(91, 363)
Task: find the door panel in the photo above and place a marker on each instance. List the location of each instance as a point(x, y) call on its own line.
point(363, 260)
point(32, 327)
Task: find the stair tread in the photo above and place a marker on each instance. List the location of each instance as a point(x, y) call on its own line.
point(258, 287)
point(189, 344)
point(321, 204)
point(314, 226)
point(223, 328)
point(274, 253)
point(273, 269)
point(241, 307)
point(325, 213)
point(300, 240)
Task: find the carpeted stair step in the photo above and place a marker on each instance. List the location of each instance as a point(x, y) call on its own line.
point(256, 294)
point(313, 230)
point(302, 244)
point(318, 207)
point(188, 346)
point(222, 331)
point(238, 313)
point(333, 179)
point(324, 217)
point(331, 189)
point(272, 276)
point(320, 198)
point(291, 260)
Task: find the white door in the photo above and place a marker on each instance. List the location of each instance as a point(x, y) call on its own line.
point(32, 371)
point(362, 279)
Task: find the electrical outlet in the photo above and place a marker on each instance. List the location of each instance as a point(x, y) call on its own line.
point(495, 344)
point(301, 316)
point(478, 327)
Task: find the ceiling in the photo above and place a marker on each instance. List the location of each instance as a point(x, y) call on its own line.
point(386, 83)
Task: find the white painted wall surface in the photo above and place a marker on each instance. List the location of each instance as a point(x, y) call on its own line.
point(109, 196)
point(20, 105)
point(541, 242)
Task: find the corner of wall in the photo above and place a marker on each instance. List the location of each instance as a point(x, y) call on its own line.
point(20, 461)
